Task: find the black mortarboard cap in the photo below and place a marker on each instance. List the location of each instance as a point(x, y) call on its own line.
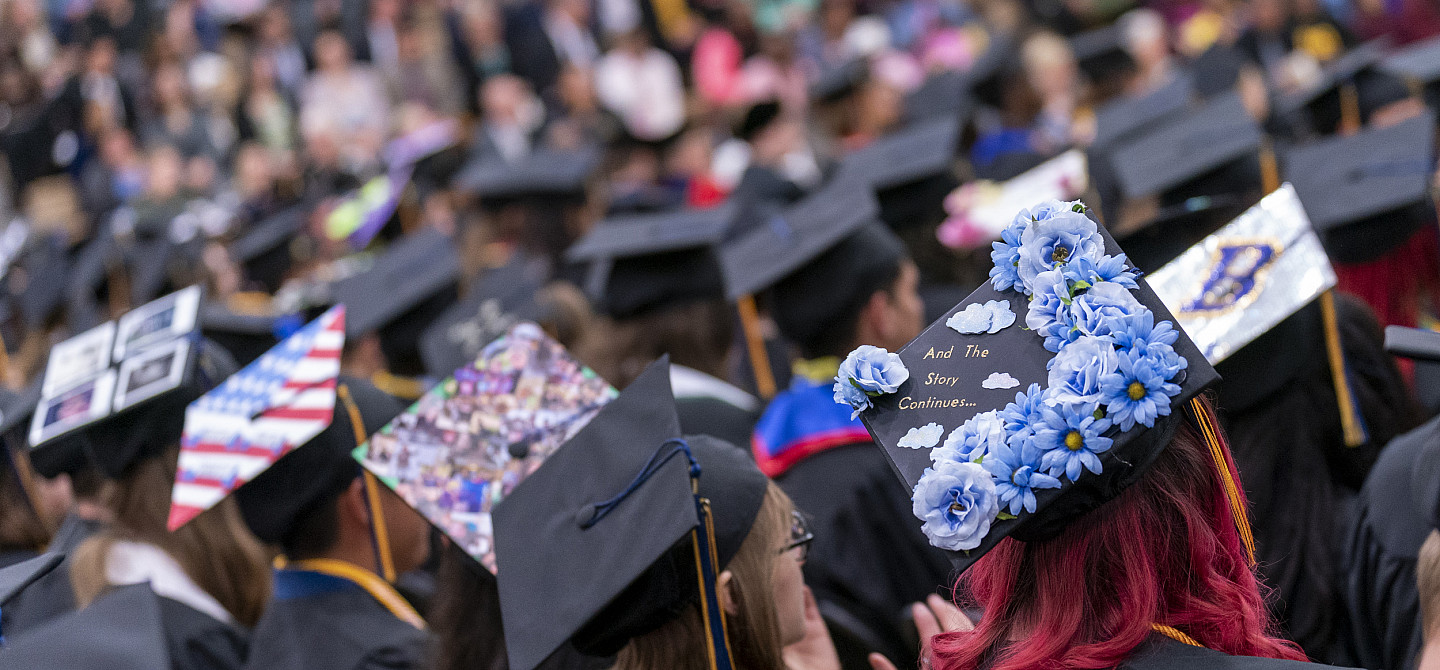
point(498, 299)
point(1101, 52)
point(641, 263)
point(1367, 193)
point(1421, 344)
point(840, 81)
point(244, 335)
point(263, 250)
point(66, 454)
point(773, 243)
point(1320, 105)
point(1120, 118)
point(906, 156)
point(944, 94)
point(148, 264)
point(1418, 62)
point(632, 570)
point(757, 118)
point(411, 271)
point(87, 277)
point(122, 630)
point(44, 263)
point(1016, 356)
point(297, 484)
point(1186, 147)
point(546, 172)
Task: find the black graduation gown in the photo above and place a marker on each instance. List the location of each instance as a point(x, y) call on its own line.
point(1380, 605)
point(869, 561)
point(51, 595)
point(197, 641)
point(710, 406)
point(345, 629)
point(1163, 653)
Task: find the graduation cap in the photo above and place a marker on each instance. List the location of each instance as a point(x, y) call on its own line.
point(411, 283)
point(544, 172)
point(980, 210)
point(46, 258)
point(1185, 148)
point(1367, 193)
point(1418, 64)
point(757, 117)
point(264, 249)
point(910, 171)
point(1421, 344)
point(646, 262)
point(498, 299)
point(122, 630)
point(1101, 53)
point(1025, 394)
point(944, 94)
point(279, 497)
point(823, 256)
point(66, 454)
point(258, 415)
point(245, 334)
point(465, 444)
point(1120, 118)
point(1324, 104)
point(840, 81)
point(1246, 277)
point(609, 528)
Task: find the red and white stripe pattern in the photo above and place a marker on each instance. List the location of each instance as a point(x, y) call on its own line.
point(281, 401)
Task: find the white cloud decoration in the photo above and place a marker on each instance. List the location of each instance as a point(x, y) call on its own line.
point(1000, 380)
point(923, 437)
point(991, 317)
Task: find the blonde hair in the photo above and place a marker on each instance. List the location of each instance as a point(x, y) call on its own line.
point(1427, 577)
point(754, 629)
point(215, 549)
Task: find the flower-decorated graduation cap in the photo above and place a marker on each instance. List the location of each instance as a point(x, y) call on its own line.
point(644, 262)
point(1369, 192)
point(256, 416)
point(468, 442)
point(1041, 396)
point(621, 529)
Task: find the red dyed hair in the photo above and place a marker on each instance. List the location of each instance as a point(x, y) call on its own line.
point(1165, 552)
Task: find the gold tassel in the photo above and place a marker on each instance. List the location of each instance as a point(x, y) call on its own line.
point(372, 490)
point(1232, 490)
point(1349, 421)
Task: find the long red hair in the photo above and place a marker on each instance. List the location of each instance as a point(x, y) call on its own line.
point(1166, 551)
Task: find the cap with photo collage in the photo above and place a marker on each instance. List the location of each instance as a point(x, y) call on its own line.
point(1367, 193)
point(125, 383)
point(466, 443)
point(622, 529)
point(1045, 393)
point(645, 262)
point(911, 171)
point(818, 255)
point(497, 299)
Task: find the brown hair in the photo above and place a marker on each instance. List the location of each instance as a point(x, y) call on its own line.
point(754, 630)
point(697, 335)
point(21, 525)
point(1427, 576)
point(215, 549)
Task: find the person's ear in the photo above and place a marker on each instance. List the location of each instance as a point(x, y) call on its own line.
point(876, 321)
point(352, 508)
point(724, 585)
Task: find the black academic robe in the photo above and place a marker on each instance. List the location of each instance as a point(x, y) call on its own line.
point(869, 561)
point(346, 629)
point(707, 405)
point(50, 596)
point(1379, 599)
point(1163, 653)
point(197, 641)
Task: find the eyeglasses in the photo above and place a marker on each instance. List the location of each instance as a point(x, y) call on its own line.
point(800, 536)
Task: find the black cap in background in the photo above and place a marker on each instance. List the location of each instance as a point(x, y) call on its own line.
point(1369, 192)
point(1421, 344)
point(1320, 106)
point(1102, 56)
point(408, 273)
point(911, 171)
point(263, 250)
point(648, 262)
point(1186, 148)
point(1121, 118)
point(1179, 227)
point(544, 173)
point(565, 573)
point(498, 299)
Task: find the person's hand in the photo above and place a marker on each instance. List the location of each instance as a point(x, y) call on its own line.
point(934, 616)
point(816, 651)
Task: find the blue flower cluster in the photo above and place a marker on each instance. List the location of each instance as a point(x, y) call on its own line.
point(1112, 370)
point(868, 372)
